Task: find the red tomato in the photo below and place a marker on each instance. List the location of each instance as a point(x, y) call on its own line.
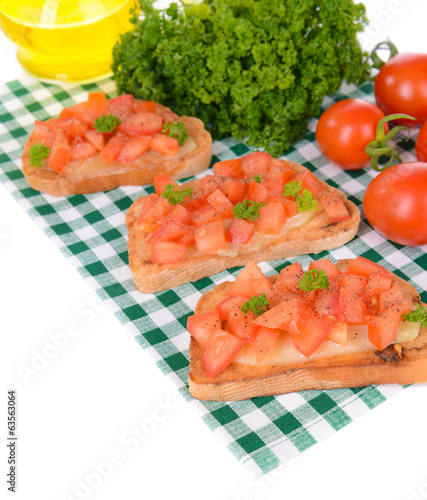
point(312, 331)
point(234, 189)
point(229, 168)
point(421, 144)
point(242, 284)
point(240, 325)
point(169, 230)
point(334, 207)
point(257, 163)
point(121, 106)
point(167, 252)
point(289, 278)
point(134, 148)
point(284, 316)
point(338, 334)
point(95, 138)
point(202, 326)
point(345, 129)
point(395, 203)
point(257, 192)
point(401, 87)
point(143, 124)
point(44, 132)
point(161, 181)
point(81, 151)
point(60, 152)
point(240, 232)
point(364, 267)
point(222, 348)
point(230, 304)
point(264, 342)
point(144, 107)
point(271, 219)
point(210, 238)
point(352, 306)
point(164, 144)
point(114, 146)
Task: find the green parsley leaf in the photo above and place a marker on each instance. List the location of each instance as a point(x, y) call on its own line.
point(175, 195)
point(258, 304)
point(314, 279)
point(38, 152)
point(107, 123)
point(419, 315)
point(292, 188)
point(257, 178)
point(306, 200)
point(247, 209)
point(176, 130)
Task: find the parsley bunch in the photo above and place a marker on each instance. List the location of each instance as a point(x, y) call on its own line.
point(314, 279)
point(258, 304)
point(107, 123)
point(247, 209)
point(255, 69)
point(176, 130)
point(175, 195)
point(305, 200)
point(38, 153)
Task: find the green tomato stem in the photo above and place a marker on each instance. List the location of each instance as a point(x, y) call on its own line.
point(378, 63)
point(380, 147)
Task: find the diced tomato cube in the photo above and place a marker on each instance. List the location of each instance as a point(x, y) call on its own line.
point(257, 192)
point(229, 168)
point(97, 104)
point(142, 124)
point(327, 301)
point(60, 152)
point(187, 239)
point(258, 163)
point(167, 252)
point(121, 106)
point(221, 203)
point(334, 207)
point(114, 146)
point(82, 151)
point(378, 282)
point(339, 332)
point(164, 145)
point(210, 238)
point(147, 203)
point(241, 286)
point(263, 285)
point(274, 188)
point(169, 230)
point(280, 171)
point(326, 265)
point(241, 325)
point(95, 138)
point(168, 116)
point(73, 128)
point(312, 332)
point(363, 267)
point(152, 217)
point(144, 107)
point(240, 232)
point(44, 132)
point(310, 182)
point(205, 215)
point(289, 278)
point(356, 283)
point(393, 299)
point(352, 308)
point(283, 316)
point(271, 219)
point(233, 189)
point(230, 304)
point(290, 206)
point(382, 329)
point(202, 326)
point(220, 351)
point(135, 147)
point(179, 214)
point(161, 181)
point(264, 342)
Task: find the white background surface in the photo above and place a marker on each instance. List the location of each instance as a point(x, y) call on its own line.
point(75, 412)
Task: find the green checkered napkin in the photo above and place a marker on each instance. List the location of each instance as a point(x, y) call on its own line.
point(90, 232)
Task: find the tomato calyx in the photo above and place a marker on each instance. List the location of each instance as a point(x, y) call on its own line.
point(378, 63)
point(379, 147)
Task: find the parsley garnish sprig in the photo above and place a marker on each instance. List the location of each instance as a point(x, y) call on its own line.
point(38, 153)
point(248, 209)
point(176, 130)
point(305, 200)
point(419, 315)
point(314, 279)
point(258, 304)
point(175, 195)
point(107, 123)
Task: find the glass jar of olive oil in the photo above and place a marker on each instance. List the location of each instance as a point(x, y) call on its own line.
point(65, 40)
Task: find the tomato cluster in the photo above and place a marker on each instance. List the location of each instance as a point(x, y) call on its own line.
point(73, 135)
point(363, 294)
point(245, 197)
point(395, 203)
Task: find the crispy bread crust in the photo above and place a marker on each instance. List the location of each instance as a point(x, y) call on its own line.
point(139, 174)
point(403, 363)
point(317, 235)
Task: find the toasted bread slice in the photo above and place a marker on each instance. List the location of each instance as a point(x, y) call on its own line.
point(403, 363)
point(95, 174)
point(317, 235)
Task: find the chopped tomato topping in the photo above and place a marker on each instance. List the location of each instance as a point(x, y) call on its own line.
point(114, 146)
point(257, 192)
point(240, 232)
point(221, 349)
point(44, 132)
point(161, 181)
point(271, 219)
point(82, 151)
point(134, 148)
point(142, 124)
point(352, 307)
point(258, 163)
point(144, 107)
point(338, 333)
point(289, 278)
point(164, 145)
point(284, 316)
point(363, 267)
point(264, 342)
point(202, 326)
point(242, 284)
point(327, 265)
point(356, 283)
point(334, 207)
point(210, 238)
point(241, 325)
point(167, 252)
point(60, 152)
point(233, 189)
point(312, 331)
point(230, 304)
point(169, 230)
point(121, 106)
point(95, 138)
point(229, 168)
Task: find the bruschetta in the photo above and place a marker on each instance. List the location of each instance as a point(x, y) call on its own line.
point(349, 324)
point(102, 143)
point(252, 208)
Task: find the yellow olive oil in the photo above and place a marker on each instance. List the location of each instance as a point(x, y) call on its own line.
point(65, 40)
